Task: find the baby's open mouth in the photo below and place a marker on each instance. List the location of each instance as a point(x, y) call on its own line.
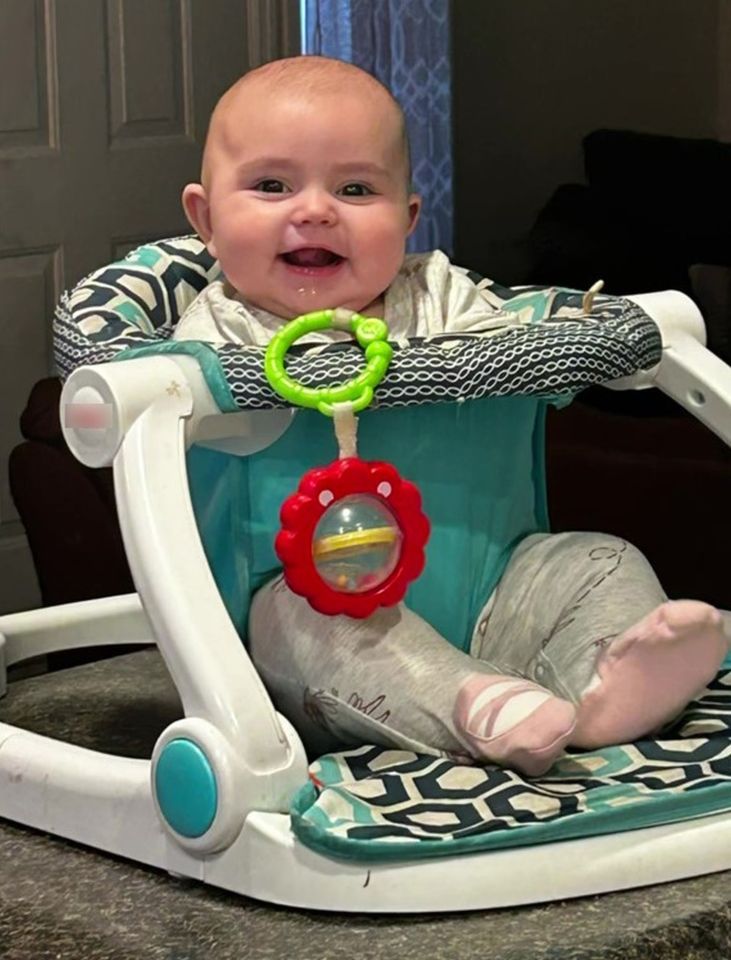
point(312, 258)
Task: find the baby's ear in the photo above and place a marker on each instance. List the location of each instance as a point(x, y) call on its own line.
point(414, 211)
point(198, 212)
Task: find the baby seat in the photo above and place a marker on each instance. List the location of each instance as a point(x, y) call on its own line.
point(203, 452)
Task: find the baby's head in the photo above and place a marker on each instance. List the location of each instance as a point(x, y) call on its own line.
point(305, 196)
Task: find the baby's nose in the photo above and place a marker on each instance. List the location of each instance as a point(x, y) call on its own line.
point(315, 207)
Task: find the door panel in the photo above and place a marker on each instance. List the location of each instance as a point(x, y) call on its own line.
point(150, 86)
point(104, 107)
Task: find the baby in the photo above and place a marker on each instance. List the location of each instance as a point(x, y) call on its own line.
point(305, 200)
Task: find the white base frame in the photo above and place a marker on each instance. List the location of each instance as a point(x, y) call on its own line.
point(151, 409)
point(106, 802)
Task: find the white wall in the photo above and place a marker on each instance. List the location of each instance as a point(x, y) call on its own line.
point(532, 77)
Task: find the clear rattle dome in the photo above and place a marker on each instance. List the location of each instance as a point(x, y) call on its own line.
point(357, 544)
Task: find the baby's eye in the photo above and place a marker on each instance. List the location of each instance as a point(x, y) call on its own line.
point(356, 190)
point(270, 185)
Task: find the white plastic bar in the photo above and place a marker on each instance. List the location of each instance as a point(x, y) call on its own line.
point(203, 652)
point(105, 802)
point(688, 372)
point(94, 798)
point(87, 623)
point(674, 312)
point(699, 381)
point(288, 873)
point(100, 403)
point(241, 433)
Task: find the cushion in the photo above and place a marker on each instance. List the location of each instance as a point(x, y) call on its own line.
point(375, 804)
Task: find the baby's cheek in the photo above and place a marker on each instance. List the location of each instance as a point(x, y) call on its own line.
point(388, 236)
point(387, 254)
point(239, 216)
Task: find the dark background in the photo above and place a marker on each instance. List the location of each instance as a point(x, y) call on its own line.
point(532, 77)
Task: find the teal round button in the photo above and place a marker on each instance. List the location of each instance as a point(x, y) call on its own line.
point(185, 786)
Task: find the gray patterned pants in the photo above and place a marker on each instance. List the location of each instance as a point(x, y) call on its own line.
point(393, 680)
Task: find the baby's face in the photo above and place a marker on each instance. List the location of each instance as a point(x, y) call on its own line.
point(308, 203)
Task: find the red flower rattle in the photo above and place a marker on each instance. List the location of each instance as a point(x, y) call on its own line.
point(353, 535)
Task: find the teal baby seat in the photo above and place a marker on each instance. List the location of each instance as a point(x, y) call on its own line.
point(228, 796)
point(479, 464)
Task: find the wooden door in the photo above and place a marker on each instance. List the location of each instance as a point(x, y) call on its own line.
point(103, 111)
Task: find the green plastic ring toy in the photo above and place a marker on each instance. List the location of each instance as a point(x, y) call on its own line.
point(371, 335)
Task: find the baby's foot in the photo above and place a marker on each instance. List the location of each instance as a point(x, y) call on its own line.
point(647, 675)
point(512, 722)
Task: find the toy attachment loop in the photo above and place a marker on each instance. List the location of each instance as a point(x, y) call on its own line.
point(371, 335)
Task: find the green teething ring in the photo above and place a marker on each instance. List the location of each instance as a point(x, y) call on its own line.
point(371, 335)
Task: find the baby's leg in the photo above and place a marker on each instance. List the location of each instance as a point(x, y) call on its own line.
point(391, 679)
point(597, 629)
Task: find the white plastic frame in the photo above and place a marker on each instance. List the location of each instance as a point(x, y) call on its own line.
point(151, 409)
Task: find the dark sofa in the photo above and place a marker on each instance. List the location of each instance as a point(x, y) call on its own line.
point(654, 214)
point(68, 510)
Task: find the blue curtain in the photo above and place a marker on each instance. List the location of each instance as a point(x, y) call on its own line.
point(405, 43)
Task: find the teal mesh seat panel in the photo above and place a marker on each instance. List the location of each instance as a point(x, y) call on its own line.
point(479, 466)
point(219, 492)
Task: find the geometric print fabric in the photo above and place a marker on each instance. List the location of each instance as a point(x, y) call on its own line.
point(372, 803)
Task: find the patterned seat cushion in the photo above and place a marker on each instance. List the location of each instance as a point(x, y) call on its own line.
point(374, 804)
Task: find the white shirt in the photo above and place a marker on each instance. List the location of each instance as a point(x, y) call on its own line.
point(428, 296)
